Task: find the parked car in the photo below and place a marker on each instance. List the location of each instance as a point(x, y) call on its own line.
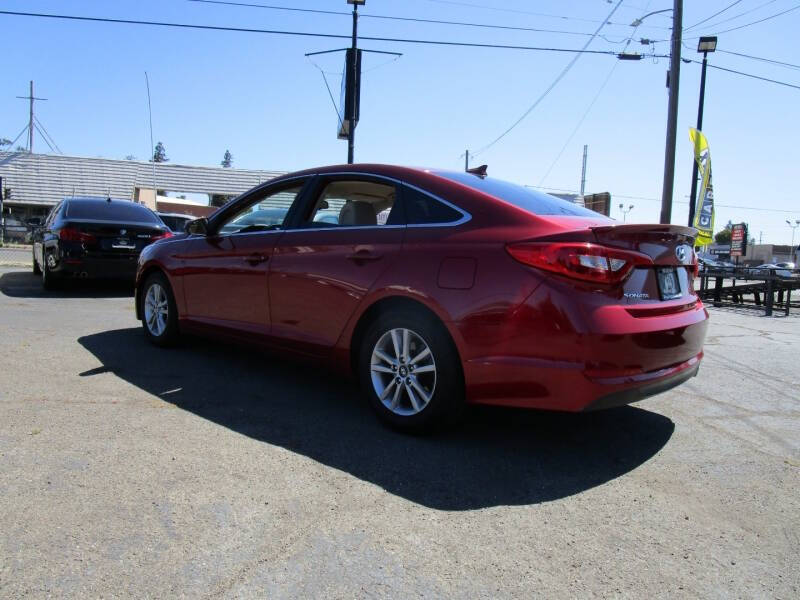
point(91, 237)
point(473, 290)
point(775, 268)
point(175, 221)
point(15, 230)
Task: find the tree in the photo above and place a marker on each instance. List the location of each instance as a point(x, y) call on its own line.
point(5, 142)
point(160, 153)
point(130, 157)
point(227, 160)
point(723, 237)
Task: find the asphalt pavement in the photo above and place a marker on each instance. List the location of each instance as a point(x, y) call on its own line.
point(211, 471)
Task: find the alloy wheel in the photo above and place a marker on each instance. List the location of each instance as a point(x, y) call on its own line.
point(403, 371)
point(156, 309)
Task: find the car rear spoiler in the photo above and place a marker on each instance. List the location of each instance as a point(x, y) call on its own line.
point(615, 231)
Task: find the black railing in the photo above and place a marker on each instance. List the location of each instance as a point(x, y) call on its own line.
point(751, 287)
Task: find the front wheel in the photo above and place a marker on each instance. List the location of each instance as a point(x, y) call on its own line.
point(410, 372)
point(159, 312)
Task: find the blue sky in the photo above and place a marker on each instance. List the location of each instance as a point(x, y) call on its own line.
point(258, 96)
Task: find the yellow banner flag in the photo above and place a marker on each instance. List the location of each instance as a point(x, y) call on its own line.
point(704, 211)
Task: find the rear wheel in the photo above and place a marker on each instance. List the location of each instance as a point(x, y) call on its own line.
point(158, 310)
point(49, 280)
point(410, 372)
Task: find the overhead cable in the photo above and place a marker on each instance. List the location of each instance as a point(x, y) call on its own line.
point(312, 34)
point(560, 76)
point(719, 12)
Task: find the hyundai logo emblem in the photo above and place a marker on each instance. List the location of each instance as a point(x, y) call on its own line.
point(680, 252)
point(123, 231)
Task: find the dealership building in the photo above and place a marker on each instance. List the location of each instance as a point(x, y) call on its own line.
point(31, 184)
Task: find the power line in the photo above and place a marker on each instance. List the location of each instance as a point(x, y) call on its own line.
point(788, 10)
point(592, 103)
point(311, 34)
point(783, 83)
point(560, 76)
point(536, 14)
point(747, 12)
point(719, 12)
point(406, 19)
point(766, 60)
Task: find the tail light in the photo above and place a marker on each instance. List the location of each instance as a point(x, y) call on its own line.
point(584, 261)
point(72, 234)
point(160, 236)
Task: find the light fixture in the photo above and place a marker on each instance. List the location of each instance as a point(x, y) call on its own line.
point(359, 2)
point(707, 44)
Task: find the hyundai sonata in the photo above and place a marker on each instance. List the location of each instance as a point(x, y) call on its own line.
point(435, 289)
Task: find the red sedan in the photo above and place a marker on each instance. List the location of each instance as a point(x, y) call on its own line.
point(436, 288)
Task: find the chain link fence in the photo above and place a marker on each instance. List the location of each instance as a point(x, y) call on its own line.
point(15, 243)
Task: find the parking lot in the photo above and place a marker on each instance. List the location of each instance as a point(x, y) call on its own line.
point(211, 471)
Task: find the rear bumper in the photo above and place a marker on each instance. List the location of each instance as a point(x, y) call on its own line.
point(121, 268)
point(549, 367)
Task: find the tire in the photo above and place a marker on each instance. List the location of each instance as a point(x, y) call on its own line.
point(413, 401)
point(50, 281)
point(36, 269)
point(159, 311)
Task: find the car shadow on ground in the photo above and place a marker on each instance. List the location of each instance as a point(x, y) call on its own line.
point(22, 284)
point(495, 457)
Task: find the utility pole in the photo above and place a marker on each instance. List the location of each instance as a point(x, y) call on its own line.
point(351, 133)
point(672, 116)
point(466, 161)
point(583, 171)
point(30, 97)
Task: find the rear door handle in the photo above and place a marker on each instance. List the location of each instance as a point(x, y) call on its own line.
point(364, 256)
point(255, 259)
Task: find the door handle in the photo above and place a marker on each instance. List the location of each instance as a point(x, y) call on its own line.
point(364, 256)
point(255, 259)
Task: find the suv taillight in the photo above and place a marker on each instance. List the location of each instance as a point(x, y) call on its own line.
point(584, 261)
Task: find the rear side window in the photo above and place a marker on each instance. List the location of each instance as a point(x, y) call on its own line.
point(537, 203)
point(421, 209)
point(116, 210)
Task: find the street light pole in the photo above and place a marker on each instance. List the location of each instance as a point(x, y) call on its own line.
point(792, 251)
point(706, 45)
point(625, 212)
point(672, 115)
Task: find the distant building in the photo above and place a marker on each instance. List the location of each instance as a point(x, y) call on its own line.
point(34, 183)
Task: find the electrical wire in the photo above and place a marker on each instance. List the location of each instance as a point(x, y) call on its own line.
point(783, 83)
point(536, 14)
point(719, 12)
point(788, 10)
point(315, 35)
point(759, 58)
point(591, 104)
point(560, 76)
point(747, 12)
point(407, 19)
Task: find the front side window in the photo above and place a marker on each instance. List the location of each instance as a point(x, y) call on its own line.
point(354, 204)
point(263, 214)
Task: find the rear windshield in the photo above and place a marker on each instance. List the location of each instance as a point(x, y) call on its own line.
point(537, 203)
point(123, 211)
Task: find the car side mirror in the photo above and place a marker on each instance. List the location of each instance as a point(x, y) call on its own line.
point(198, 226)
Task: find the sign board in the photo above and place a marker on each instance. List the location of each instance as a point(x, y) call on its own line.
point(600, 203)
point(739, 240)
point(350, 92)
